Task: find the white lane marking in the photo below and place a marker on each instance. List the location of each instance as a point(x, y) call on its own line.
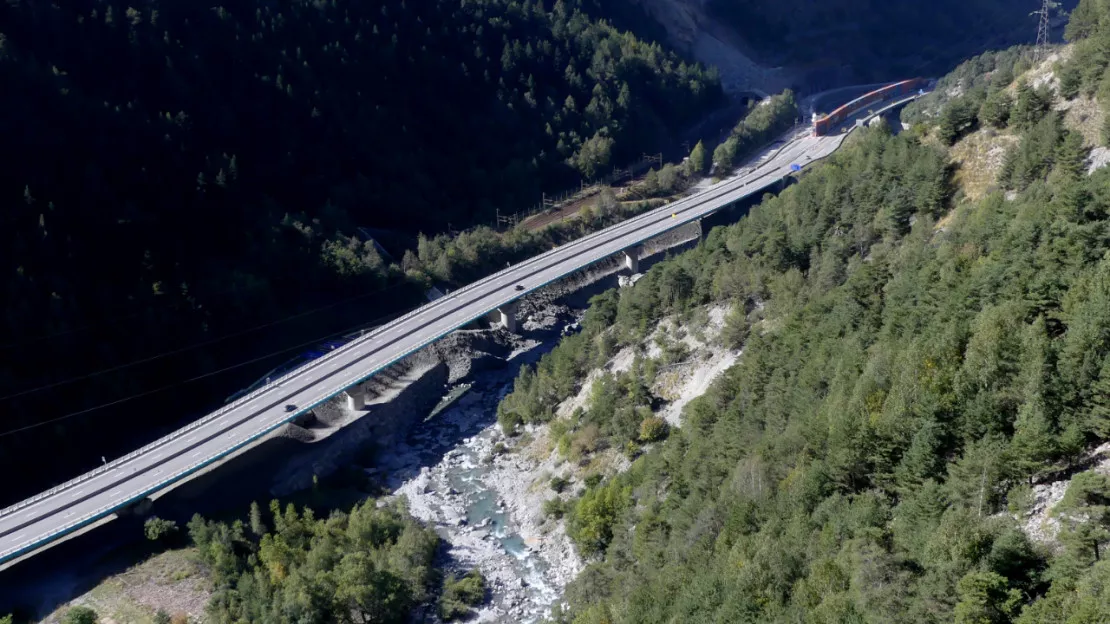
point(114, 493)
point(76, 494)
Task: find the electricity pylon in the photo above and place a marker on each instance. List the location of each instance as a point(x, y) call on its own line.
point(1041, 51)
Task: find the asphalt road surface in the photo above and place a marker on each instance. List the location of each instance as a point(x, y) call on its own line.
point(38, 521)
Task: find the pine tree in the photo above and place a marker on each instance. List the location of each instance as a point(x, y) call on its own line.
point(1033, 442)
point(922, 460)
point(995, 110)
point(1029, 106)
point(1071, 155)
point(985, 598)
point(1098, 404)
point(593, 155)
point(956, 119)
point(1084, 515)
point(698, 161)
point(258, 526)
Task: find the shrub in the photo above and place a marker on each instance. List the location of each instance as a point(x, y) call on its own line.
point(157, 529)
point(632, 450)
point(162, 617)
point(593, 516)
point(653, 429)
point(461, 594)
point(564, 445)
point(80, 615)
point(586, 442)
point(509, 421)
point(559, 484)
point(593, 480)
point(554, 508)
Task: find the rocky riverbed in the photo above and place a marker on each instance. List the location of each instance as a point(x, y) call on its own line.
point(480, 498)
point(484, 492)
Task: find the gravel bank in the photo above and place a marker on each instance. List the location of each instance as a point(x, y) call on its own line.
point(486, 507)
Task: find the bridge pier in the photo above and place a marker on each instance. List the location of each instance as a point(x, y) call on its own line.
point(356, 398)
point(508, 316)
point(632, 260)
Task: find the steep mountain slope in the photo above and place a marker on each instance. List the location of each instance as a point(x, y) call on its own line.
point(176, 174)
point(917, 366)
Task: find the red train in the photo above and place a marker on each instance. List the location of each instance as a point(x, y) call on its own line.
point(822, 126)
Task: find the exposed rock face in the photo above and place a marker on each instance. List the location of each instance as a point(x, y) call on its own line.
point(1040, 521)
point(1099, 158)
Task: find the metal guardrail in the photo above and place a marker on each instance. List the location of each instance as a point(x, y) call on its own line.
point(105, 509)
point(116, 463)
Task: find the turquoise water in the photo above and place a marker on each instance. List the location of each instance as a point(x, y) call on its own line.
point(475, 417)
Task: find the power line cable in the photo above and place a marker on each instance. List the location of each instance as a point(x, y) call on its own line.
point(193, 379)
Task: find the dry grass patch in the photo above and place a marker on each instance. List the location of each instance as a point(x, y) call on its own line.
point(171, 581)
point(979, 157)
point(1085, 116)
point(944, 222)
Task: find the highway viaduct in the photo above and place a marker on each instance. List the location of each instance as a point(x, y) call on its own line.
point(33, 524)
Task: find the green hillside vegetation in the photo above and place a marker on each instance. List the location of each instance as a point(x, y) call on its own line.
point(1088, 69)
point(369, 565)
point(177, 173)
point(990, 71)
point(473, 254)
point(765, 122)
point(901, 388)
